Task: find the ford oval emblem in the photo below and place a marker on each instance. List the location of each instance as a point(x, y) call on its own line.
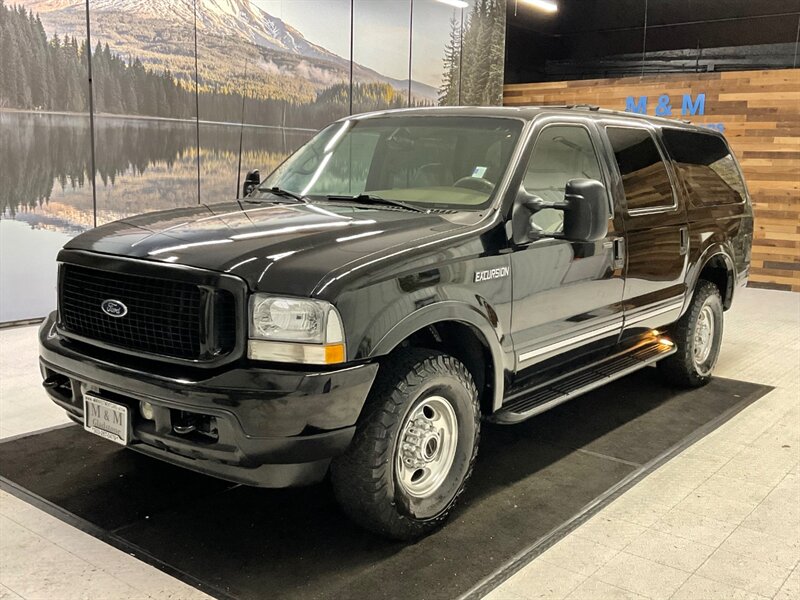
point(114, 308)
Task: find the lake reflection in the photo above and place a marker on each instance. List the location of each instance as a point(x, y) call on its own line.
point(142, 165)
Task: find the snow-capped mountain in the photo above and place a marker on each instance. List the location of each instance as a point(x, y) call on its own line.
point(160, 32)
point(220, 17)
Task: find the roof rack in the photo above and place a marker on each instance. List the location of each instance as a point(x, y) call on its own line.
point(583, 106)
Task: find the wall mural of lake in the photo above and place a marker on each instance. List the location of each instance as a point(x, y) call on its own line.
point(270, 71)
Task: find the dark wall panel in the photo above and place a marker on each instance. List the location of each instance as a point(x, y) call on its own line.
point(591, 39)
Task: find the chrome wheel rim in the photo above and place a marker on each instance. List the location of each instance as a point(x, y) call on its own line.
point(704, 335)
point(426, 447)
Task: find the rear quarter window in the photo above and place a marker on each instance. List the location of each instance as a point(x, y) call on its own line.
point(645, 179)
point(705, 167)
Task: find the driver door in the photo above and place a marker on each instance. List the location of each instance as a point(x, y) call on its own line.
point(567, 296)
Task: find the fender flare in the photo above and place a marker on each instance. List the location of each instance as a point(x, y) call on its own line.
point(450, 310)
point(709, 253)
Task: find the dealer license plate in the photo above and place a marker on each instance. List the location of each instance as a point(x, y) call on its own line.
point(106, 419)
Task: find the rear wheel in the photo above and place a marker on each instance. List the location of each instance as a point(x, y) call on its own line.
point(698, 337)
point(414, 447)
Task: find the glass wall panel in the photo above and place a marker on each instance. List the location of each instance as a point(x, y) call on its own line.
point(271, 72)
point(45, 190)
point(268, 74)
point(145, 138)
point(320, 38)
point(436, 51)
point(380, 54)
point(458, 50)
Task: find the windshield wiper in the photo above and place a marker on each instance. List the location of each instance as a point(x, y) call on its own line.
point(370, 199)
point(281, 193)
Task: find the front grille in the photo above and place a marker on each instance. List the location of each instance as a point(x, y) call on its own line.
point(164, 317)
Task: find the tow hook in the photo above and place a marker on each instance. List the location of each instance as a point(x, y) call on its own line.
point(184, 429)
point(52, 382)
point(204, 425)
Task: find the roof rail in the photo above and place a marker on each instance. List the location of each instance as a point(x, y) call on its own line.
point(583, 106)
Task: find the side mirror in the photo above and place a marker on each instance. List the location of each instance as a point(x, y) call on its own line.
point(523, 229)
point(586, 213)
point(251, 182)
point(585, 209)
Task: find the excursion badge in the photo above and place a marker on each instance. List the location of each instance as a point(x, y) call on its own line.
point(495, 273)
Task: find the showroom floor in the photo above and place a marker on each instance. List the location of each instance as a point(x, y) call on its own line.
point(721, 520)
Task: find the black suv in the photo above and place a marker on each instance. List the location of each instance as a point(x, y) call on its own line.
point(401, 277)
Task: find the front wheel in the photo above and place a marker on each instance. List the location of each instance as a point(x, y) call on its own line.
point(698, 337)
point(414, 447)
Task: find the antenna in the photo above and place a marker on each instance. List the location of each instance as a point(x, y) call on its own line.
point(241, 136)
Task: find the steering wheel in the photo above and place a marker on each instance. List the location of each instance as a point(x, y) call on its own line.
point(478, 184)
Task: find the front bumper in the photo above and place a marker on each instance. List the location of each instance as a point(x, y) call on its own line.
point(274, 427)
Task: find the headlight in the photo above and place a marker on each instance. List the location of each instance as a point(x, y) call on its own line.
point(295, 330)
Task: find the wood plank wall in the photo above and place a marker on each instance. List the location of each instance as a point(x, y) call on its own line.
point(760, 111)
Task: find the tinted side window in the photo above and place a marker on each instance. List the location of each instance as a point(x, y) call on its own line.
point(644, 175)
point(705, 167)
point(562, 152)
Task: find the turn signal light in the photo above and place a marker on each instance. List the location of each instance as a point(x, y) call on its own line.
point(334, 354)
point(309, 354)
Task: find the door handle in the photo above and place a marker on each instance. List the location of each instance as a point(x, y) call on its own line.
point(619, 252)
point(684, 240)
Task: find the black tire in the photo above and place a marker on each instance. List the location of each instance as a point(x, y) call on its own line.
point(365, 478)
point(685, 368)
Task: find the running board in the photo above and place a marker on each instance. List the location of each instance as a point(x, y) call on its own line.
point(532, 402)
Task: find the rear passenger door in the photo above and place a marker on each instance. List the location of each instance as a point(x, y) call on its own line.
point(654, 219)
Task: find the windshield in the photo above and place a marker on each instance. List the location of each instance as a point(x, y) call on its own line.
point(429, 161)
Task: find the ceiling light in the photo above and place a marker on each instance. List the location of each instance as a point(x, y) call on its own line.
point(456, 3)
point(545, 5)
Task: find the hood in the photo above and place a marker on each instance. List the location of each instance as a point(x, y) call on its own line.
point(282, 248)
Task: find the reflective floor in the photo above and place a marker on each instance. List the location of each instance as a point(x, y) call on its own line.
point(721, 520)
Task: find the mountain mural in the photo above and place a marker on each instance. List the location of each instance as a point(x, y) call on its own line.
point(281, 62)
point(151, 151)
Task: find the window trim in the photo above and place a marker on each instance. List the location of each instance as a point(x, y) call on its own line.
point(649, 210)
point(597, 155)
